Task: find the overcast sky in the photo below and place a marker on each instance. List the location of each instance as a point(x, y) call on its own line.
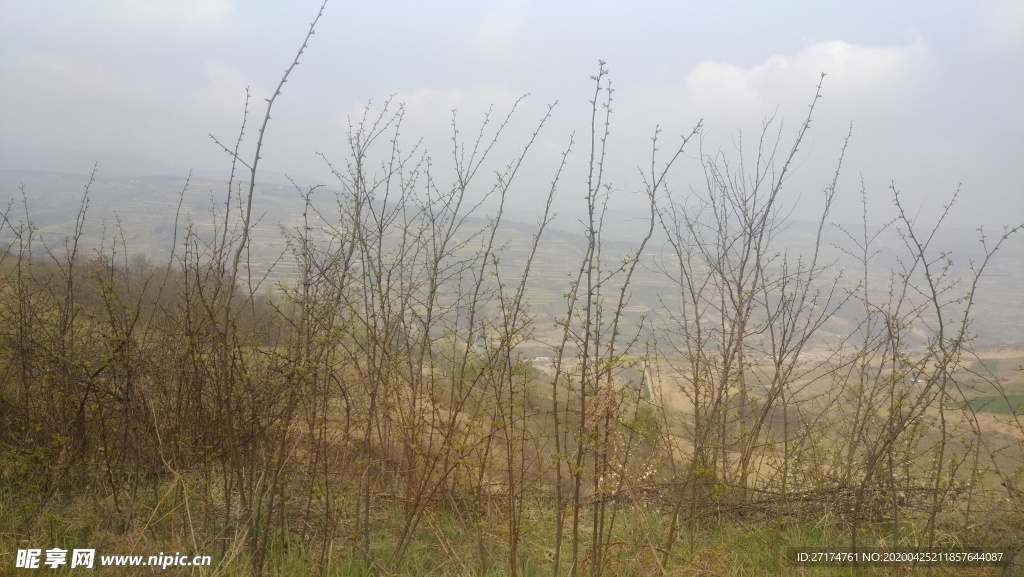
point(934, 90)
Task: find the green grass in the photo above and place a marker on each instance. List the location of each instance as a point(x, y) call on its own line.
point(997, 404)
point(985, 366)
point(447, 545)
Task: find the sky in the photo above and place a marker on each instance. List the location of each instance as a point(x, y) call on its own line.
point(933, 90)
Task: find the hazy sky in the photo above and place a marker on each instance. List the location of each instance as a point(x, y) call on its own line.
point(934, 90)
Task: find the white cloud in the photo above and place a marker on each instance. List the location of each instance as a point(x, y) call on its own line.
point(497, 37)
point(1002, 26)
point(857, 75)
point(224, 90)
point(428, 112)
point(189, 19)
point(80, 78)
point(863, 69)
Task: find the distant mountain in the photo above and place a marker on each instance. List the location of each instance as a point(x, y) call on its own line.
point(46, 159)
point(114, 164)
point(144, 214)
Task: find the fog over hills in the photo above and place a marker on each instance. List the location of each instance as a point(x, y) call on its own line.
point(22, 158)
point(140, 212)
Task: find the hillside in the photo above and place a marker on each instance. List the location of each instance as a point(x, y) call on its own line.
point(141, 213)
point(367, 389)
